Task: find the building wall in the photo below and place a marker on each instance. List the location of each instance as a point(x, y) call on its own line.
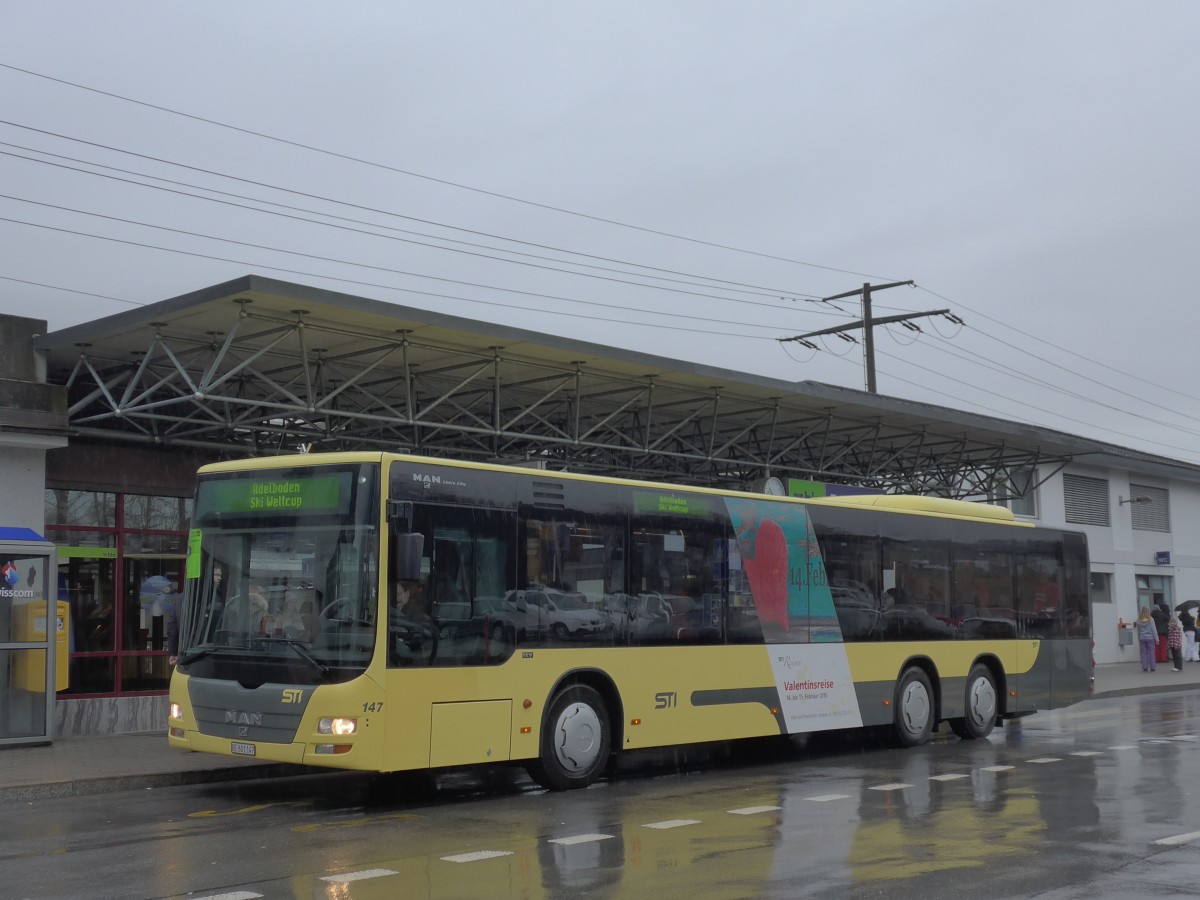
point(1124, 553)
point(23, 474)
point(32, 420)
point(89, 465)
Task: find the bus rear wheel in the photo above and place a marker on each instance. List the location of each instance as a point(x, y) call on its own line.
point(913, 716)
point(575, 740)
point(981, 706)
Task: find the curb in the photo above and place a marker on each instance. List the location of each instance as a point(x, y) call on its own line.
point(83, 787)
point(1150, 689)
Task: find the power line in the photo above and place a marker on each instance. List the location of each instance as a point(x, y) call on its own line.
point(362, 265)
point(737, 286)
point(55, 287)
point(1062, 349)
point(344, 156)
point(390, 287)
point(366, 231)
point(1054, 415)
point(999, 368)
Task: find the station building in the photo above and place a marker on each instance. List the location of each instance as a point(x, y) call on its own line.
point(104, 424)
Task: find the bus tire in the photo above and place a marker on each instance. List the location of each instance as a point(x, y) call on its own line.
point(576, 740)
point(914, 710)
point(980, 707)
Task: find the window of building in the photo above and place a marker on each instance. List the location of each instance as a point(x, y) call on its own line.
point(1018, 492)
point(1152, 589)
point(1151, 509)
point(1086, 500)
point(91, 509)
point(121, 570)
point(1100, 587)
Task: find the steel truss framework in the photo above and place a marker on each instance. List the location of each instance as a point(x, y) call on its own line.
point(271, 380)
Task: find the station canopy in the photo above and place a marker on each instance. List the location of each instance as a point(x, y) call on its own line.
point(258, 366)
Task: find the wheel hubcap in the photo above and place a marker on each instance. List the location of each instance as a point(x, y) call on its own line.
point(914, 707)
point(578, 732)
point(981, 702)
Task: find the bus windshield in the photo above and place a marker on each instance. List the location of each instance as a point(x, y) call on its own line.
point(282, 575)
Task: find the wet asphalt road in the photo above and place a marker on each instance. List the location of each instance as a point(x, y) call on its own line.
point(1098, 801)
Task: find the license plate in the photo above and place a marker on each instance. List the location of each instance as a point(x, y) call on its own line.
point(241, 749)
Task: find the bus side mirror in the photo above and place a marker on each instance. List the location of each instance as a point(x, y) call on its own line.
point(407, 550)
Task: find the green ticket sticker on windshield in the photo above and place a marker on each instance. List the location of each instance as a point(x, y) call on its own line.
point(193, 553)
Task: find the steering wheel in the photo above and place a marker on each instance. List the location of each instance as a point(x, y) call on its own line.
point(330, 612)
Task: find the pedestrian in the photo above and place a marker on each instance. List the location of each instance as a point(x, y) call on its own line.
point(1175, 642)
point(1147, 639)
point(1190, 649)
point(1159, 614)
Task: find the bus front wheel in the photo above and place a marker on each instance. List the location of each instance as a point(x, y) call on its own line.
point(914, 708)
point(575, 740)
point(981, 707)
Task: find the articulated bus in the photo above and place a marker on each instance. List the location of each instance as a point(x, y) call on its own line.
point(385, 612)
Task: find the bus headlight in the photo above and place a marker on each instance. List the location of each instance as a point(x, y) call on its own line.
point(337, 726)
point(175, 711)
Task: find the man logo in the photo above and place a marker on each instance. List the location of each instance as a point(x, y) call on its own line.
point(293, 695)
point(237, 717)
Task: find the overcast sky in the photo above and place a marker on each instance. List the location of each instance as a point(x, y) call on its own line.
point(1032, 166)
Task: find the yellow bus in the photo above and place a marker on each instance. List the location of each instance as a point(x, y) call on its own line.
point(388, 612)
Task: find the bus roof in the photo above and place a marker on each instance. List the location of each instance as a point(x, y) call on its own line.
point(912, 504)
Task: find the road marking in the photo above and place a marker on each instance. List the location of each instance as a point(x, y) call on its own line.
point(476, 856)
point(996, 768)
point(825, 798)
point(953, 777)
point(672, 823)
point(580, 839)
point(895, 786)
point(1041, 760)
point(753, 810)
point(1123, 747)
point(363, 875)
point(212, 813)
point(233, 895)
point(1086, 753)
point(1179, 839)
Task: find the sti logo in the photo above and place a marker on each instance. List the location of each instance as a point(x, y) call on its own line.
point(10, 575)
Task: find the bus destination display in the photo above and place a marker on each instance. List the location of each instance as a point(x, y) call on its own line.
point(307, 495)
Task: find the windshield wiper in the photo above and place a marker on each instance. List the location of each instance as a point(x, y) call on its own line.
point(298, 646)
point(200, 652)
point(191, 657)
